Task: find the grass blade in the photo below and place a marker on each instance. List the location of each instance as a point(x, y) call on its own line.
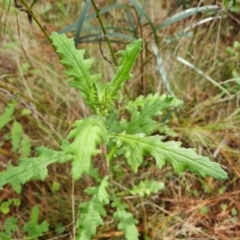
point(116, 35)
point(187, 13)
point(82, 17)
point(185, 62)
point(205, 20)
point(73, 26)
point(161, 69)
point(131, 21)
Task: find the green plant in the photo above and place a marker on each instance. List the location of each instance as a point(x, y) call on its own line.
point(5, 205)
point(234, 53)
point(9, 227)
point(107, 135)
point(32, 228)
point(20, 142)
point(231, 3)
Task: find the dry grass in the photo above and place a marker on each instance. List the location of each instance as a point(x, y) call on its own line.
point(189, 207)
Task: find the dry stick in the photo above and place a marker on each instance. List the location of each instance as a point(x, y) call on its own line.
point(19, 37)
point(218, 38)
point(73, 210)
point(101, 49)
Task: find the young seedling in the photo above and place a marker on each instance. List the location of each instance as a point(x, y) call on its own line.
point(131, 139)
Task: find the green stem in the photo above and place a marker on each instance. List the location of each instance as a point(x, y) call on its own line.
point(110, 158)
point(29, 10)
point(104, 32)
point(107, 40)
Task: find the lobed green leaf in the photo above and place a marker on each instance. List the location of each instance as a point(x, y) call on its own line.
point(16, 135)
point(147, 187)
point(143, 109)
point(33, 168)
point(100, 192)
point(127, 222)
point(91, 211)
point(25, 146)
point(86, 134)
point(7, 115)
point(77, 67)
point(32, 227)
point(123, 71)
point(134, 153)
point(10, 226)
point(172, 152)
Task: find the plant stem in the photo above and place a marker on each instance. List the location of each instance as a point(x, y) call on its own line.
point(104, 31)
point(30, 12)
point(108, 42)
point(109, 158)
